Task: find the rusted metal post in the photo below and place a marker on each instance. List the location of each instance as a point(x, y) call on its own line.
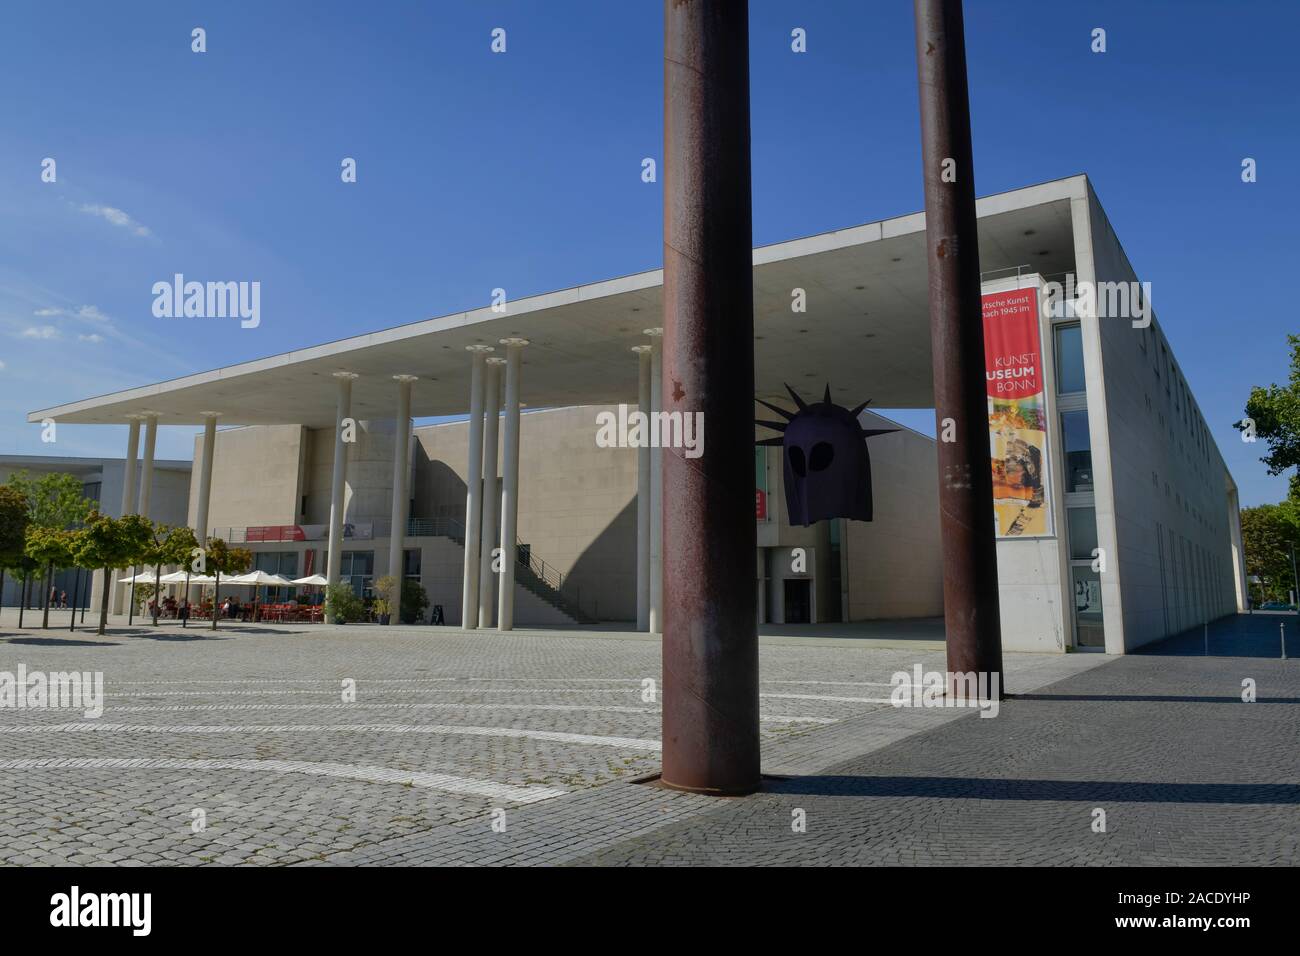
point(970, 560)
point(710, 630)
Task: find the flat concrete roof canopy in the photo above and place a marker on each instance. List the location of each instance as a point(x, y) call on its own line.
point(866, 332)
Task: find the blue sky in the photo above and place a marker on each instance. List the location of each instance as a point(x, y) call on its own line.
point(523, 170)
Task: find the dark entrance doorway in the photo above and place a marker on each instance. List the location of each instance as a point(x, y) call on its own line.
point(798, 601)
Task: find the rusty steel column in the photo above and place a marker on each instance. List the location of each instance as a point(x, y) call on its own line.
point(710, 628)
point(970, 560)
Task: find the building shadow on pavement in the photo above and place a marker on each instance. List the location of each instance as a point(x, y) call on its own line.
point(1087, 791)
point(1238, 635)
point(53, 641)
point(1157, 698)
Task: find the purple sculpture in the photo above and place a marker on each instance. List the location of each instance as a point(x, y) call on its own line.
point(827, 468)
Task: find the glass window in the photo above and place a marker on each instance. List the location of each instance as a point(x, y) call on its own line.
point(1078, 451)
point(357, 568)
point(1089, 631)
point(411, 563)
point(1069, 359)
point(1083, 532)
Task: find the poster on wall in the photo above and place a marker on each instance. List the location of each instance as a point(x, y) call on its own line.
point(1013, 373)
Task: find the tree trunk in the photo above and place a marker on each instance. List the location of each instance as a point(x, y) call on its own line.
point(49, 589)
point(22, 598)
point(76, 591)
point(216, 589)
point(2, 590)
point(157, 592)
point(186, 601)
point(103, 601)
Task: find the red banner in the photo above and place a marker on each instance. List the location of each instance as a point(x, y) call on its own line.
point(1017, 405)
point(1013, 361)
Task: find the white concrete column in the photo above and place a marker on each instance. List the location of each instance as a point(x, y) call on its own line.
point(118, 602)
point(201, 528)
point(656, 620)
point(401, 494)
point(510, 487)
point(473, 488)
point(334, 561)
point(491, 432)
point(146, 469)
point(128, 476)
point(645, 361)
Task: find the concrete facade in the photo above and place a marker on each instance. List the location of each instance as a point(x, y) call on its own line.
point(1144, 538)
point(102, 480)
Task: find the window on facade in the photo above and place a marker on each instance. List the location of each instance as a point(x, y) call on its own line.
point(276, 562)
point(1069, 359)
point(357, 568)
point(1078, 451)
point(411, 563)
point(1083, 532)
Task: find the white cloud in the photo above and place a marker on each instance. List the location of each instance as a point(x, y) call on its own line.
point(2, 366)
point(115, 216)
point(92, 337)
point(91, 312)
point(40, 332)
point(45, 312)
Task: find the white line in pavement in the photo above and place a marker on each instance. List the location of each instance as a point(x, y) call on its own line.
point(601, 708)
point(844, 683)
point(424, 779)
point(172, 708)
point(841, 700)
point(625, 743)
point(361, 686)
point(378, 680)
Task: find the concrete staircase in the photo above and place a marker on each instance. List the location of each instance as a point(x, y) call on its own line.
point(536, 577)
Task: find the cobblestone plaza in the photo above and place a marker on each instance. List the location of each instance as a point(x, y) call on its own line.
point(535, 748)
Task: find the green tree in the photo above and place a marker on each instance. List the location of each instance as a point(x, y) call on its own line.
point(54, 501)
point(167, 545)
point(50, 548)
point(220, 558)
point(13, 531)
point(342, 604)
point(1268, 533)
point(1275, 411)
point(110, 543)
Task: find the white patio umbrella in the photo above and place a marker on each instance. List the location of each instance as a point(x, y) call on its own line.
point(319, 580)
point(141, 577)
point(259, 578)
point(178, 577)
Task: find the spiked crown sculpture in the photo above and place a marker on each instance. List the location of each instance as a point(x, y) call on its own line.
point(827, 467)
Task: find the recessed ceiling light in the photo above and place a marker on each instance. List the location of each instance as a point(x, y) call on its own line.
point(1030, 232)
point(859, 287)
point(896, 259)
point(1043, 252)
point(802, 331)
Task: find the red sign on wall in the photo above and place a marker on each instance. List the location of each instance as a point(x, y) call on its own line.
point(1017, 406)
point(760, 504)
point(1014, 362)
